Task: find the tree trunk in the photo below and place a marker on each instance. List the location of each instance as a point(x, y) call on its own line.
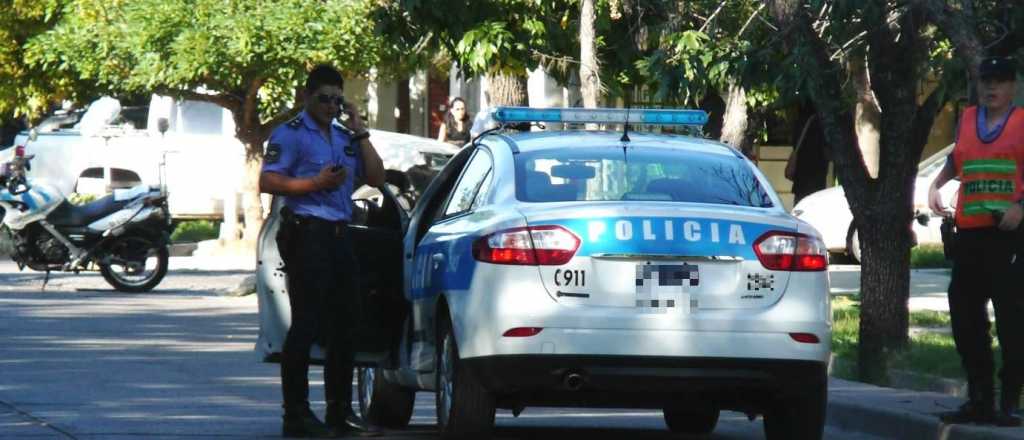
point(252, 205)
point(507, 89)
point(868, 115)
point(590, 80)
point(881, 206)
point(738, 125)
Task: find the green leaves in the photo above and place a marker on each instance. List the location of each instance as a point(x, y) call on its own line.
point(222, 47)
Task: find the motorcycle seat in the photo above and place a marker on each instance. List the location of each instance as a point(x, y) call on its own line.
point(71, 215)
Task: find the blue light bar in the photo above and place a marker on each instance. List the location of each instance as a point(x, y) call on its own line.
point(510, 115)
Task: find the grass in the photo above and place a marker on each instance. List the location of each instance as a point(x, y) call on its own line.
point(929, 353)
point(928, 256)
point(195, 230)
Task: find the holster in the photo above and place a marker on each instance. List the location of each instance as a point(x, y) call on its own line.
point(286, 237)
point(948, 230)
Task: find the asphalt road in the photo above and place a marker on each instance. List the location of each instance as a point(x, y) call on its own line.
point(80, 361)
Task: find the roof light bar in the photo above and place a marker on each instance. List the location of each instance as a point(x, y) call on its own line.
point(506, 115)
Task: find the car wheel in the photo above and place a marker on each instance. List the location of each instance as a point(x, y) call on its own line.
point(381, 402)
point(800, 417)
point(691, 421)
point(853, 244)
point(465, 410)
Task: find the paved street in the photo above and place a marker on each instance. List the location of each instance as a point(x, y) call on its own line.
point(79, 361)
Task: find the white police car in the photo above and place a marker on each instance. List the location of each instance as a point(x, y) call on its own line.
point(612, 269)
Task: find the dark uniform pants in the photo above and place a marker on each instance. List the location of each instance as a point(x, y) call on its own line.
point(323, 293)
point(982, 270)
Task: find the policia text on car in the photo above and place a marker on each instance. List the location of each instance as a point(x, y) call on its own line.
point(313, 161)
point(987, 251)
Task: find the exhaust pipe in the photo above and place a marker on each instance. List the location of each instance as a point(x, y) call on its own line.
point(573, 380)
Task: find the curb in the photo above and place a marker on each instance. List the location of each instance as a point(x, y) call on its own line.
point(901, 414)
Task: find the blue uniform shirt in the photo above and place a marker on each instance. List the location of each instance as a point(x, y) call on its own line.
point(299, 149)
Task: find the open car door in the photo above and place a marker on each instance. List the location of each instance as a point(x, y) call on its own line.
point(376, 229)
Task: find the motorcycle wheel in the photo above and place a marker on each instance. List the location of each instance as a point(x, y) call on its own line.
point(136, 264)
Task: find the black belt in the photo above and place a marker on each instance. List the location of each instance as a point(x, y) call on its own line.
point(337, 227)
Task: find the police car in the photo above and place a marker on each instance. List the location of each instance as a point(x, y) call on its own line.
point(594, 268)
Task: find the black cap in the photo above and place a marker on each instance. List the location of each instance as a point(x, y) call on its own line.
point(1002, 68)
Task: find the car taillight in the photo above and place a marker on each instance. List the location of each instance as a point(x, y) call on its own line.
point(19, 151)
point(534, 245)
point(790, 251)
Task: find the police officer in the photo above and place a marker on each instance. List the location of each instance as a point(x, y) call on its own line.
point(989, 161)
point(313, 161)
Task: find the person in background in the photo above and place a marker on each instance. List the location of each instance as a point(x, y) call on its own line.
point(807, 166)
point(989, 161)
point(455, 129)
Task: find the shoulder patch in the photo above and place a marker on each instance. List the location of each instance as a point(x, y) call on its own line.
point(273, 154)
point(295, 122)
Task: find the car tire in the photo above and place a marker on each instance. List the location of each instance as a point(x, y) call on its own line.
point(799, 417)
point(691, 421)
point(465, 410)
point(853, 244)
point(381, 402)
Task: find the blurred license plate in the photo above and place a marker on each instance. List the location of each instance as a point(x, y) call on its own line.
point(665, 288)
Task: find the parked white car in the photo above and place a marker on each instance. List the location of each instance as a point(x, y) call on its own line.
point(828, 211)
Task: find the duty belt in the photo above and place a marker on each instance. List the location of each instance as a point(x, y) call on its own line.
point(337, 228)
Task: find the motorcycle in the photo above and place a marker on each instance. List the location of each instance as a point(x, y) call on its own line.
point(125, 235)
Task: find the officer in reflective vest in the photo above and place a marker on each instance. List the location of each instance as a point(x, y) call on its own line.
point(988, 159)
point(313, 161)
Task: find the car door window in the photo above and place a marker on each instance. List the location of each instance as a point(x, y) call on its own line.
point(461, 199)
point(485, 189)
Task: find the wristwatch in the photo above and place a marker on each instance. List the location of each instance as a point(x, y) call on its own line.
point(365, 134)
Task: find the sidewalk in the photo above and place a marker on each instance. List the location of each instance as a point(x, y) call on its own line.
point(898, 413)
point(902, 414)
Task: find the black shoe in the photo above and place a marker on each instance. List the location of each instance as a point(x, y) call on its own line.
point(302, 423)
point(351, 425)
point(970, 412)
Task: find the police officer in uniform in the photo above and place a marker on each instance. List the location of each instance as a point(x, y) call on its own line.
point(313, 161)
point(988, 159)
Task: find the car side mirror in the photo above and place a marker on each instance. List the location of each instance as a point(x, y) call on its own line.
point(162, 125)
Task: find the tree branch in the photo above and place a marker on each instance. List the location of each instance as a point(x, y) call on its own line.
point(825, 90)
point(959, 27)
point(713, 15)
point(224, 100)
point(749, 20)
point(250, 107)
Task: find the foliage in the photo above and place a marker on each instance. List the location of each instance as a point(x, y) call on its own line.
point(234, 52)
point(27, 89)
point(928, 256)
point(194, 230)
point(483, 36)
point(932, 353)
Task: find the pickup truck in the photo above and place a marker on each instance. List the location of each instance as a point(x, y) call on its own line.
point(108, 147)
point(196, 155)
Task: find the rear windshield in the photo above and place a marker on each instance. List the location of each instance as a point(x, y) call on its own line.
point(636, 173)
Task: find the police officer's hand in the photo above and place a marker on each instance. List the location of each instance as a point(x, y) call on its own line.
point(1011, 218)
point(329, 178)
point(936, 204)
point(354, 122)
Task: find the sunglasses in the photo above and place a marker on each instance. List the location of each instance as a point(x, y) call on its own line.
point(324, 98)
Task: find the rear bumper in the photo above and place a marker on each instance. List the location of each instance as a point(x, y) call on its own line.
point(644, 382)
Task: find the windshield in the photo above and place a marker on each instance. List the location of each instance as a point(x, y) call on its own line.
point(638, 174)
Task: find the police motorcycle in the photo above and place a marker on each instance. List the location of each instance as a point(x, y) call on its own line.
point(126, 235)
